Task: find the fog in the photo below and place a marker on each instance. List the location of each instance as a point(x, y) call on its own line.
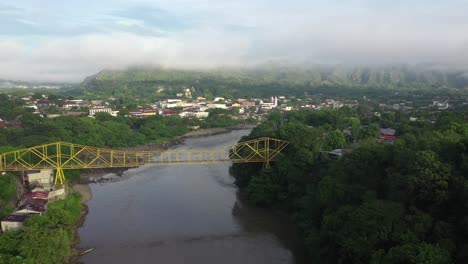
point(56, 42)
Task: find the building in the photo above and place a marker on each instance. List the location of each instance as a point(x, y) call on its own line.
point(148, 112)
point(169, 112)
point(34, 196)
point(32, 207)
point(13, 222)
point(72, 103)
point(273, 103)
point(102, 109)
point(387, 132)
point(202, 115)
point(387, 135)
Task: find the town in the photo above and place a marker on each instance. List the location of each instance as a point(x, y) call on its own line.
point(253, 109)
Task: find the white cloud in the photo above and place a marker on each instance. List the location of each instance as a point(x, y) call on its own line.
point(219, 33)
point(71, 59)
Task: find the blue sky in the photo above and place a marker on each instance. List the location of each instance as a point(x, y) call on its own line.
point(51, 40)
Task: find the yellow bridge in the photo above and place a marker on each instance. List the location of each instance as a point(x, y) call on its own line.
point(61, 156)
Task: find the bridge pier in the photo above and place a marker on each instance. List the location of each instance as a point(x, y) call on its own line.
point(59, 176)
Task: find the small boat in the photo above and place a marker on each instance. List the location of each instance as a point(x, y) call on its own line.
point(86, 251)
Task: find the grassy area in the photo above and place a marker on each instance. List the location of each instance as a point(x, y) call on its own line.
point(72, 204)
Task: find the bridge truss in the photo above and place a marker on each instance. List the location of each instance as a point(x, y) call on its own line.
point(61, 156)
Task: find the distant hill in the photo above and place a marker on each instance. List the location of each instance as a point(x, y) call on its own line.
point(10, 84)
point(269, 79)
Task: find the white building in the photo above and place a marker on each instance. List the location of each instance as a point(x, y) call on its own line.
point(13, 222)
point(201, 115)
point(273, 104)
point(102, 109)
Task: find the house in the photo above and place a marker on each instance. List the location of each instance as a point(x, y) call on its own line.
point(387, 135)
point(247, 104)
point(43, 103)
point(201, 115)
point(72, 103)
point(136, 114)
point(387, 132)
point(32, 206)
point(148, 111)
point(170, 112)
point(102, 109)
point(34, 196)
point(13, 222)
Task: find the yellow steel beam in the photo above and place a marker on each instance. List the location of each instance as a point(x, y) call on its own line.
point(62, 155)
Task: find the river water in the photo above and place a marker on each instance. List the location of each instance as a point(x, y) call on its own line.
point(183, 214)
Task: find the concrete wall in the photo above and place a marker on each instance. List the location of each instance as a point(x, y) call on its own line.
point(58, 194)
point(11, 226)
point(44, 177)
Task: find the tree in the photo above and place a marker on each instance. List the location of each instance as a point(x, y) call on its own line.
point(429, 180)
point(336, 139)
point(261, 190)
point(45, 246)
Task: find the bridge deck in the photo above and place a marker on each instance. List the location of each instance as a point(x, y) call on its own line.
point(62, 155)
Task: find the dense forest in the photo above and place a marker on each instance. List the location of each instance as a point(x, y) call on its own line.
point(405, 202)
point(269, 80)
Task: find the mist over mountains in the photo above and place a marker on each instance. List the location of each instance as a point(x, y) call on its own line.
point(342, 75)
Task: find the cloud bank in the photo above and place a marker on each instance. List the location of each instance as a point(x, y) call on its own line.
point(57, 42)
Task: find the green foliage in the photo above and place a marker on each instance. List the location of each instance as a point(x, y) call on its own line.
point(71, 205)
point(45, 239)
point(382, 203)
point(6, 210)
point(269, 80)
point(72, 174)
point(45, 246)
point(336, 139)
point(431, 179)
point(261, 190)
point(7, 188)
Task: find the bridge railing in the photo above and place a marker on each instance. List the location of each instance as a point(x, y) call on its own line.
point(62, 155)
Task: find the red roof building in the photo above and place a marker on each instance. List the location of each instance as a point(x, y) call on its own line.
point(170, 112)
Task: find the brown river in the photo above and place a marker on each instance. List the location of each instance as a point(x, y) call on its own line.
point(184, 214)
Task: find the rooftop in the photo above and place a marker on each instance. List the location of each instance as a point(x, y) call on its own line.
point(15, 218)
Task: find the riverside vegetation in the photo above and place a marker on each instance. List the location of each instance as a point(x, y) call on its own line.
point(45, 239)
point(383, 203)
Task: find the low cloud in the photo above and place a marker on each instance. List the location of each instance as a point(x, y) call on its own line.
point(226, 34)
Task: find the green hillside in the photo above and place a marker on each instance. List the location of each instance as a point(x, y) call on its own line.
point(268, 80)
